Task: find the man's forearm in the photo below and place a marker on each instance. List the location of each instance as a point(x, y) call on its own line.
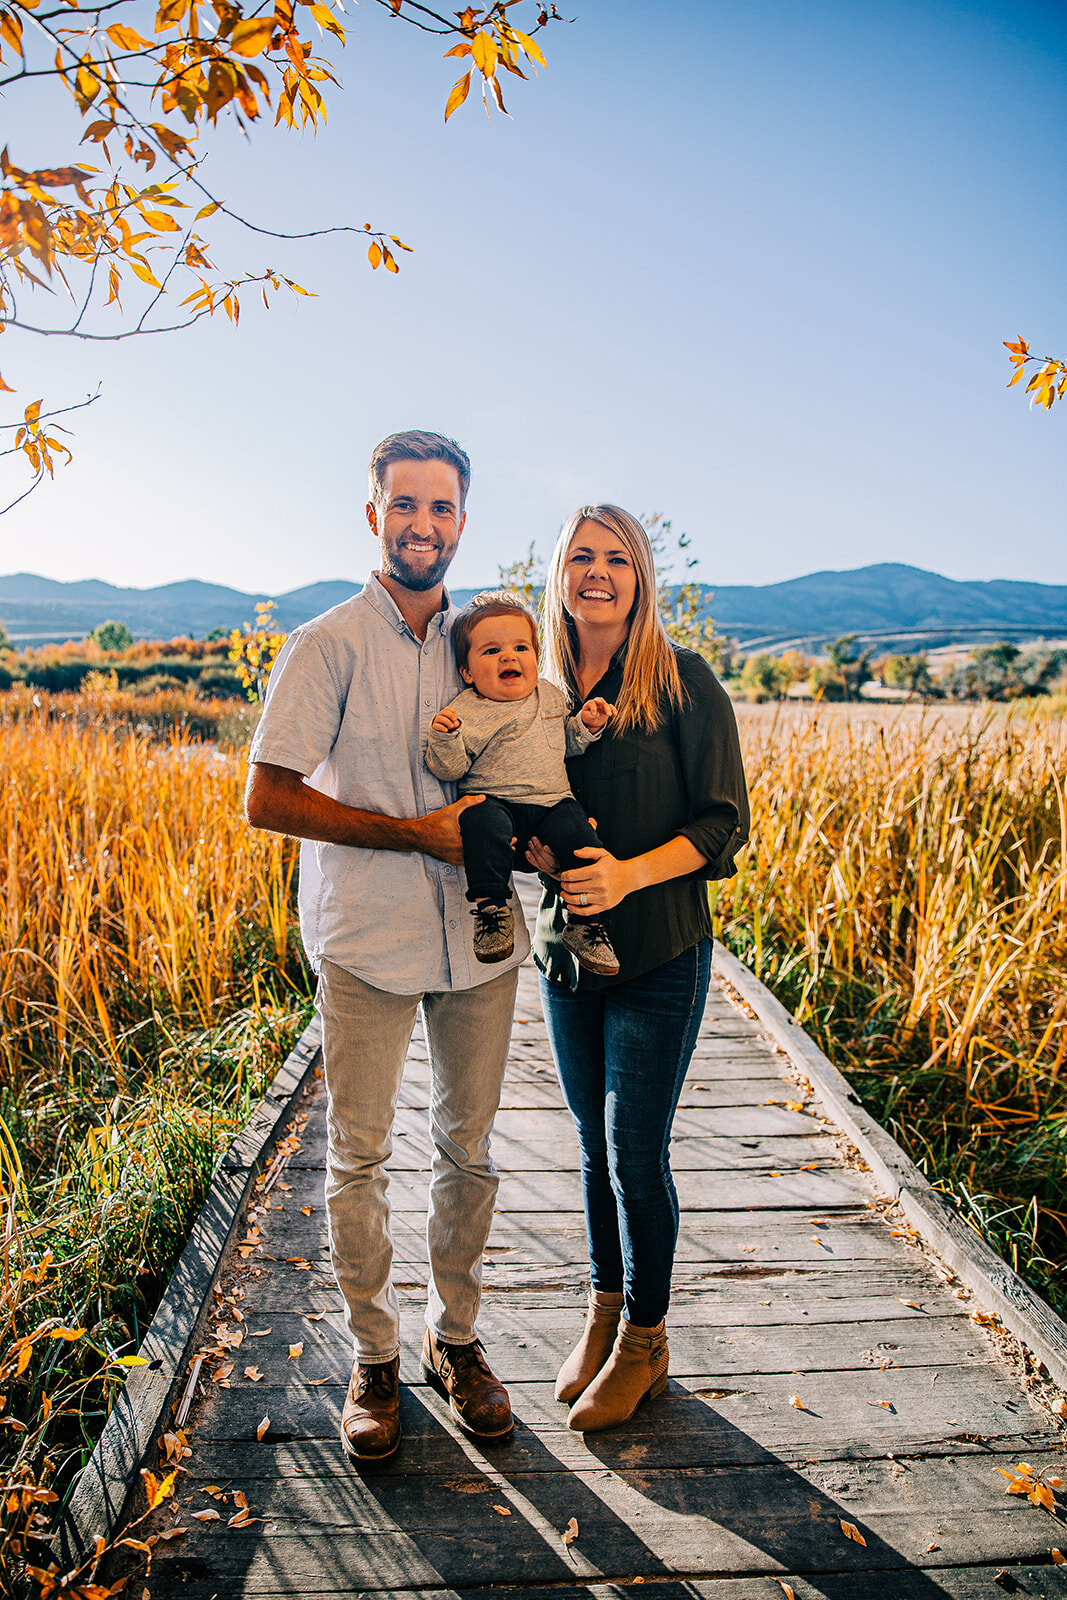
point(279, 799)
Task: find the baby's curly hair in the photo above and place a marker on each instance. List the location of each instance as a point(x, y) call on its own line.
point(490, 603)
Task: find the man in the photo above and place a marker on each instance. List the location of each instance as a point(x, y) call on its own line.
point(337, 761)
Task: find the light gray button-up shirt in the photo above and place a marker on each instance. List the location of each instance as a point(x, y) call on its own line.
point(349, 706)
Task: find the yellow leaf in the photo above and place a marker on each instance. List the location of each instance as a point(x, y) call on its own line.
point(126, 38)
point(459, 93)
point(528, 45)
point(504, 1511)
point(790, 1594)
point(87, 87)
point(570, 1532)
point(295, 1351)
point(206, 211)
point(252, 36)
point(264, 1425)
point(254, 1373)
point(59, 1333)
point(795, 1400)
point(1058, 1558)
point(850, 1531)
point(145, 274)
point(374, 255)
point(6, 387)
point(129, 1361)
point(158, 1489)
point(11, 30)
point(1042, 1495)
point(484, 52)
point(162, 221)
point(211, 1515)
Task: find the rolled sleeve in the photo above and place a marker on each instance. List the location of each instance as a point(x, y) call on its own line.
point(303, 711)
point(714, 774)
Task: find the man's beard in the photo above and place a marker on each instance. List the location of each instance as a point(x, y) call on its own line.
point(394, 566)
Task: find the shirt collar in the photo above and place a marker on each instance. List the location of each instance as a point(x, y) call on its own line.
point(377, 595)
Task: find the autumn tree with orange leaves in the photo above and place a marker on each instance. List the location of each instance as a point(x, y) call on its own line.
point(118, 247)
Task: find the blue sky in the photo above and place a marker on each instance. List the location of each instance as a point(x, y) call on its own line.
point(745, 263)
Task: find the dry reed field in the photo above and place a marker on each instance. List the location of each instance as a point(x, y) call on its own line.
point(150, 983)
point(905, 895)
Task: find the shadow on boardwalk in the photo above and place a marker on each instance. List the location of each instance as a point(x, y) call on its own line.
point(792, 1285)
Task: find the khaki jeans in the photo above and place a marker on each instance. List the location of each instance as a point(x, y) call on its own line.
point(365, 1037)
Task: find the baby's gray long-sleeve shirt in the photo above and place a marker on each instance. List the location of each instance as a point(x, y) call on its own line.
point(511, 748)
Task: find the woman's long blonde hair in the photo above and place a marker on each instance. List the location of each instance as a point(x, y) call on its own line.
point(650, 680)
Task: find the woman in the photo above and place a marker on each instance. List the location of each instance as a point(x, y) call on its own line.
point(666, 787)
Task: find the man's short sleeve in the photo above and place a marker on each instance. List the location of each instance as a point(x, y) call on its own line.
point(303, 711)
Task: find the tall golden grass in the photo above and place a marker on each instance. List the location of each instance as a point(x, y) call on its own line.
point(150, 981)
point(905, 893)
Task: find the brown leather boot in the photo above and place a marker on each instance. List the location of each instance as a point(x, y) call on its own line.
point(370, 1421)
point(593, 1348)
point(636, 1370)
point(477, 1400)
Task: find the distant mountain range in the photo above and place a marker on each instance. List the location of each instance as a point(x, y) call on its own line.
point(889, 603)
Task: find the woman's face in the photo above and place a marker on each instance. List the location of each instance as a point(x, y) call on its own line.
point(599, 580)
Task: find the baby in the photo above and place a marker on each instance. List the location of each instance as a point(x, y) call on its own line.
point(506, 737)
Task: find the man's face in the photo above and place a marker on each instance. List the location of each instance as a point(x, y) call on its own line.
point(419, 523)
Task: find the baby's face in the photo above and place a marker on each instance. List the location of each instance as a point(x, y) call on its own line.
point(502, 663)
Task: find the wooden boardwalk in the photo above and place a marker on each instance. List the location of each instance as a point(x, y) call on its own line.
point(825, 1375)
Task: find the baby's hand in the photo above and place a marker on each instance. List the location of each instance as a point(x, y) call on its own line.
point(596, 714)
point(445, 721)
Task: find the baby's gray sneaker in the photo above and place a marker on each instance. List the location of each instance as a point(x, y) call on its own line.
point(589, 943)
point(494, 932)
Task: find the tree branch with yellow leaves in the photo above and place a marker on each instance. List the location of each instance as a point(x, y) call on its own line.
point(1047, 384)
point(105, 250)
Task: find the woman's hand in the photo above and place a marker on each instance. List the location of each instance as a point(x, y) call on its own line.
point(600, 884)
point(541, 858)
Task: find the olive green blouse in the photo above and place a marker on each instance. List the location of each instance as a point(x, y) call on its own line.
point(646, 788)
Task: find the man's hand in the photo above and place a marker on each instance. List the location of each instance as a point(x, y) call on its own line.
point(437, 833)
point(446, 721)
point(596, 714)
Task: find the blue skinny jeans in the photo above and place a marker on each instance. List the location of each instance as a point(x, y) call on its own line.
point(622, 1054)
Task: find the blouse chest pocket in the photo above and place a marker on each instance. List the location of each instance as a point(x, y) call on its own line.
point(614, 758)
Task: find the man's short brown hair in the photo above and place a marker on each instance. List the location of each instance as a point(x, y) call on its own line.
point(418, 445)
point(490, 603)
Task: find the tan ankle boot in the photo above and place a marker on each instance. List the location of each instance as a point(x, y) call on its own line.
point(636, 1370)
point(593, 1348)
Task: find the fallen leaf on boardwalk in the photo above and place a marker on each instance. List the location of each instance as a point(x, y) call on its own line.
point(774, 1174)
point(790, 1594)
point(299, 1262)
point(811, 1166)
point(313, 1382)
point(886, 1404)
point(242, 1520)
point(240, 1500)
point(815, 1239)
point(295, 1351)
point(158, 1489)
point(173, 1533)
point(930, 1548)
point(305, 1211)
point(213, 1490)
point(795, 1400)
point(264, 1425)
point(210, 1515)
point(314, 1316)
point(570, 1532)
point(1061, 1409)
point(850, 1531)
point(985, 1319)
point(914, 1304)
point(253, 1373)
point(260, 1333)
point(1057, 1483)
point(503, 1511)
point(1058, 1558)
point(818, 1222)
point(222, 1372)
point(1005, 1579)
